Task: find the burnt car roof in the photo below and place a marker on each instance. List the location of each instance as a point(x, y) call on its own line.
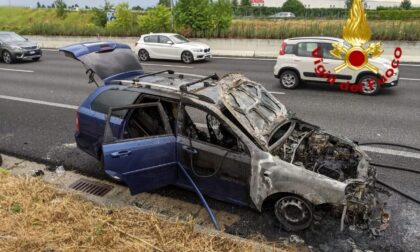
point(259, 112)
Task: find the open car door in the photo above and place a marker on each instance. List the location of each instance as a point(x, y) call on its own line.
point(106, 60)
point(143, 153)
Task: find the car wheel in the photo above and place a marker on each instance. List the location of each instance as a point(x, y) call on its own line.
point(143, 55)
point(36, 59)
point(369, 85)
point(187, 57)
point(1, 160)
point(293, 213)
point(7, 57)
point(289, 79)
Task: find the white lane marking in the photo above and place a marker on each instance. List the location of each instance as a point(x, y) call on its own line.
point(16, 70)
point(148, 64)
point(52, 104)
point(410, 79)
point(412, 65)
point(274, 92)
point(391, 152)
point(240, 58)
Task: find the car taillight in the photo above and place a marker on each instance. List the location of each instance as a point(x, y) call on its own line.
point(282, 48)
point(77, 121)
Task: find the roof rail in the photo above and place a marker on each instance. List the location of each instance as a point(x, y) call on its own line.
point(155, 73)
point(143, 84)
point(184, 87)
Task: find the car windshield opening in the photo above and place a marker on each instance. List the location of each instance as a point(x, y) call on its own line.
point(178, 39)
point(279, 133)
point(11, 37)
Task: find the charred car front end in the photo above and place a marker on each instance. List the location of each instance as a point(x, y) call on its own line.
point(300, 162)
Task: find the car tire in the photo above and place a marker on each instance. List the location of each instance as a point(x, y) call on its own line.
point(36, 59)
point(7, 58)
point(289, 79)
point(293, 213)
point(187, 57)
point(369, 89)
point(143, 55)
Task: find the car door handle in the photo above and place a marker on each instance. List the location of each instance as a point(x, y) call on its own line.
point(190, 150)
point(120, 154)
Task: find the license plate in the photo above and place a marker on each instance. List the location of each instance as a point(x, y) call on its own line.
point(32, 52)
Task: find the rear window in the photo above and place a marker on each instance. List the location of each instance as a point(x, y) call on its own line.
point(114, 98)
point(305, 49)
point(151, 39)
point(289, 49)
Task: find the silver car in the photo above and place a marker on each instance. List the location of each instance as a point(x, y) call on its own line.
point(15, 48)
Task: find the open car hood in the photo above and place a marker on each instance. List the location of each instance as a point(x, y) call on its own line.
point(108, 60)
point(252, 105)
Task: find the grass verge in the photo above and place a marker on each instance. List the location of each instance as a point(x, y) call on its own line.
point(37, 217)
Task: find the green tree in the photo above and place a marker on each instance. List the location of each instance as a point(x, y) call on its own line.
point(405, 4)
point(107, 6)
point(166, 3)
point(349, 3)
point(294, 6)
point(157, 19)
point(60, 6)
point(245, 2)
point(194, 14)
point(221, 12)
point(235, 3)
point(124, 17)
point(99, 17)
point(38, 5)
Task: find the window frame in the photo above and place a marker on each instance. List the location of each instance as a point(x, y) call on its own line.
point(306, 42)
point(149, 37)
point(109, 136)
point(181, 128)
point(166, 38)
point(106, 110)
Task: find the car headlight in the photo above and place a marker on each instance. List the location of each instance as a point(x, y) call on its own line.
point(14, 47)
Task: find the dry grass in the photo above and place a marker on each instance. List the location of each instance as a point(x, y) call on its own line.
point(35, 216)
point(278, 29)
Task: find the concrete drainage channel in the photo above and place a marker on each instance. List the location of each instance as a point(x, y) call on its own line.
point(111, 195)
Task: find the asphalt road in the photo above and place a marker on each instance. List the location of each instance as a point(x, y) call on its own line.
point(44, 132)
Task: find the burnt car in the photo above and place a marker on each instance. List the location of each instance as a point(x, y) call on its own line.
point(227, 138)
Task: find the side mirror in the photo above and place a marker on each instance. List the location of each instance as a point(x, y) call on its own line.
point(26, 39)
point(169, 42)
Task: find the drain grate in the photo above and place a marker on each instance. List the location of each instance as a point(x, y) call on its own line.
point(91, 187)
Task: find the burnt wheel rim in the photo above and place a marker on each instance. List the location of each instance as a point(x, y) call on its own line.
point(293, 212)
point(7, 58)
point(288, 80)
point(143, 55)
point(186, 57)
point(369, 88)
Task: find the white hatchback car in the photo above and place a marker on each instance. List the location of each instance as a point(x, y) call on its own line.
point(295, 64)
point(170, 46)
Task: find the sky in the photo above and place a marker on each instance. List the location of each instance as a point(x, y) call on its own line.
point(91, 3)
